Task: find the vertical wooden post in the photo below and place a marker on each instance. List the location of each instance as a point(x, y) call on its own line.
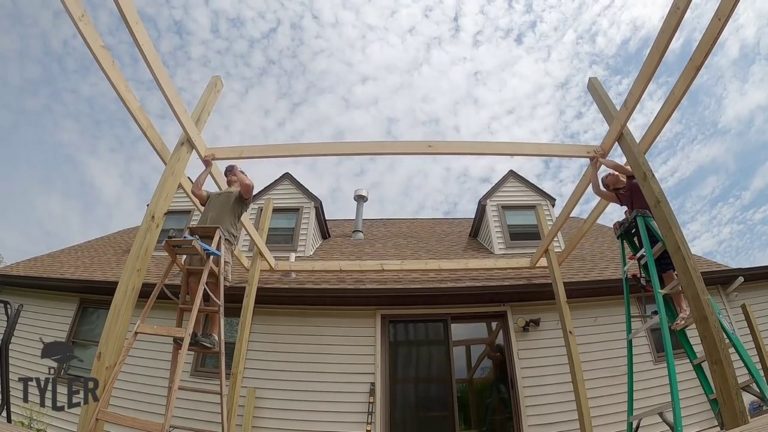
point(250, 402)
point(754, 330)
point(246, 318)
point(135, 268)
point(569, 335)
point(712, 339)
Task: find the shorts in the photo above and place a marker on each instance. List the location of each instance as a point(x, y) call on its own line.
point(663, 261)
point(226, 254)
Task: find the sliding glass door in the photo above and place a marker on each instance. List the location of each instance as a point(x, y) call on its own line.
point(449, 373)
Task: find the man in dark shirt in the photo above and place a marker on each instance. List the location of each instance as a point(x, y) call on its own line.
point(622, 188)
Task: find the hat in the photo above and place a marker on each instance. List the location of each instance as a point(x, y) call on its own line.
point(228, 170)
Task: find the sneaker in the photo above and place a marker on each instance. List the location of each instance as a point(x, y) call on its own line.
point(209, 341)
point(193, 341)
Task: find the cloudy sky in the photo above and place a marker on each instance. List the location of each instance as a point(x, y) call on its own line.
point(75, 166)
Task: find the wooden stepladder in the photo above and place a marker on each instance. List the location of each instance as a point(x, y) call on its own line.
point(189, 245)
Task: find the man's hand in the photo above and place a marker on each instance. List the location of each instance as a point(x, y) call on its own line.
point(208, 160)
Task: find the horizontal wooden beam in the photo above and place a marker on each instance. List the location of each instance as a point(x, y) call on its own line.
point(404, 265)
point(393, 148)
point(700, 54)
point(149, 54)
point(648, 69)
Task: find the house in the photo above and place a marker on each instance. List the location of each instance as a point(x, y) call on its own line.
point(321, 340)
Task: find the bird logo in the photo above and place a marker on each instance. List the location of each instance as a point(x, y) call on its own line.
point(59, 352)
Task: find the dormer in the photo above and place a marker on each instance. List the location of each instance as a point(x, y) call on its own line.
point(298, 223)
point(505, 219)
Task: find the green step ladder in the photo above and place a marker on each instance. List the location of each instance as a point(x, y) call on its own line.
point(638, 224)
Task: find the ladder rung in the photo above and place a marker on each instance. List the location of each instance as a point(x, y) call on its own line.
point(199, 390)
point(658, 409)
point(742, 385)
point(657, 250)
point(201, 309)
point(673, 287)
point(205, 231)
point(128, 421)
point(156, 330)
point(199, 270)
point(641, 330)
point(190, 428)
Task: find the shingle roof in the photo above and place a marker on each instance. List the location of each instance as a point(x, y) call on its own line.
point(102, 259)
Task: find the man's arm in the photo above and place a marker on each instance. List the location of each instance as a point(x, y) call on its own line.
point(246, 185)
point(596, 184)
point(619, 168)
point(197, 186)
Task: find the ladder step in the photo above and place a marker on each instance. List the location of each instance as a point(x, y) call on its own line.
point(742, 385)
point(190, 428)
point(183, 247)
point(657, 250)
point(658, 409)
point(672, 287)
point(199, 270)
point(128, 421)
point(644, 327)
point(201, 309)
point(199, 390)
point(156, 330)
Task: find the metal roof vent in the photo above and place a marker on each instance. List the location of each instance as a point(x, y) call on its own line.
point(361, 197)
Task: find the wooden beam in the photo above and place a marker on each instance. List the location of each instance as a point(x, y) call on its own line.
point(757, 339)
point(695, 63)
point(404, 265)
point(648, 69)
point(391, 148)
point(250, 402)
point(720, 365)
point(120, 85)
point(244, 327)
point(569, 334)
point(127, 291)
point(151, 58)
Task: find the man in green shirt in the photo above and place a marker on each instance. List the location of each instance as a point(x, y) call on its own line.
point(223, 209)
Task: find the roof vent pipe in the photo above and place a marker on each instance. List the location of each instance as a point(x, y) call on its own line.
point(361, 197)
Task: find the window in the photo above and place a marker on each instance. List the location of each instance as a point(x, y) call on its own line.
point(520, 226)
point(84, 336)
point(207, 365)
point(174, 224)
point(449, 373)
point(283, 229)
point(647, 306)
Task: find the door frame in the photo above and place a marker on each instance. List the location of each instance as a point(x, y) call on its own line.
point(382, 371)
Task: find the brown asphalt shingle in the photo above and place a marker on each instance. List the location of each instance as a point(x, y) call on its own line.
point(596, 258)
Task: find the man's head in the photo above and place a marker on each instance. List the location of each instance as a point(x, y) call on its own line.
point(230, 173)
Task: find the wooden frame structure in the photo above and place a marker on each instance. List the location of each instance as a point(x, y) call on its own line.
point(118, 320)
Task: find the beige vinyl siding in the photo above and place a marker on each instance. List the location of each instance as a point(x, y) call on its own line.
point(514, 192)
point(315, 237)
point(285, 194)
point(546, 383)
point(485, 233)
point(312, 370)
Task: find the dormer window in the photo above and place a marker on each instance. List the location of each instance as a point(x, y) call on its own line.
point(519, 225)
point(174, 225)
point(284, 228)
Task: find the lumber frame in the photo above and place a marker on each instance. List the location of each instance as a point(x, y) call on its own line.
point(146, 48)
point(648, 69)
point(700, 54)
point(757, 339)
point(569, 334)
point(244, 327)
point(406, 265)
point(712, 339)
point(392, 148)
point(250, 403)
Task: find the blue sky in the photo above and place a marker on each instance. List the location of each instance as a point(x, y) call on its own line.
point(75, 166)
